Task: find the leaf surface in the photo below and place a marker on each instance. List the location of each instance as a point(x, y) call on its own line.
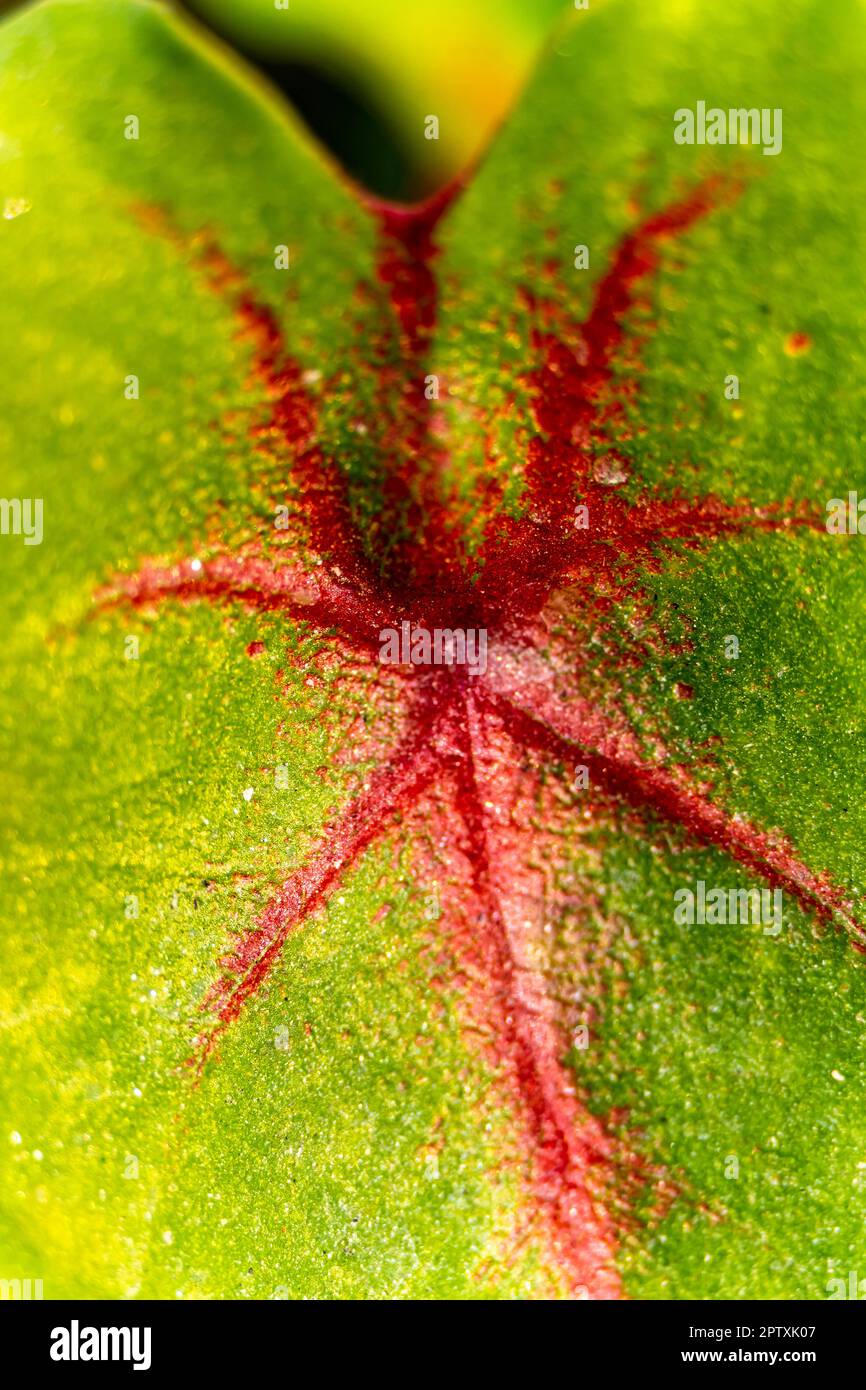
point(303, 950)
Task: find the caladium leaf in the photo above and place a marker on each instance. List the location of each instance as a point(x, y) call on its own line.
point(334, 975)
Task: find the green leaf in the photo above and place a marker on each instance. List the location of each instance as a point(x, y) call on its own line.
point(458, 1044)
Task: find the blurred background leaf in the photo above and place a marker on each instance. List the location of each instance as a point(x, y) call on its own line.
point(366, 75)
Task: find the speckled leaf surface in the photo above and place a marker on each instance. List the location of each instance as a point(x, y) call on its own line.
point(323, 978)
